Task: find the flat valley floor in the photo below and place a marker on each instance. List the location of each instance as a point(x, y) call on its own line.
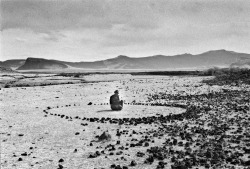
point(167, 122)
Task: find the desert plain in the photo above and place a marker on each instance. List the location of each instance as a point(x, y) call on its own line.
point(51, 121)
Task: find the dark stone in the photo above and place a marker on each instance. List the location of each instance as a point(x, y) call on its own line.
point(97, 153)
point(92, 156)
point(247, 163)
point(60, 166)
point(149, 160)
point(104, 136)
point(113, 166)
point(61, 160)
point(229, 159)
point(24, 154)
point(118, 167)
point(140, 154)
point(119, 153)
point(133, 163)
point(160, 165)
point(174, 142)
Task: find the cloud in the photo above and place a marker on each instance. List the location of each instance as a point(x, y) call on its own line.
point(51, 15)
point(52, 36)
point(59, 15)
point(105, 27)
point(47, 16)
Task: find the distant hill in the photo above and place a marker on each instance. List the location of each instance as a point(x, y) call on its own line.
point(87, 65)
point(14, 63)
point(7, 70)
point(219, 58)
point(216, 58)
point(39, 63)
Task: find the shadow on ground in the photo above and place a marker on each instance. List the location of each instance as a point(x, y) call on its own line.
point(100, 111)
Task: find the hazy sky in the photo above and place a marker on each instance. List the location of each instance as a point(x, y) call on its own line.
point(74, 30)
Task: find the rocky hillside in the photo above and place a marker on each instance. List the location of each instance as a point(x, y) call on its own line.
point(14, 63)
point(217, 58)
point(7, 70)
point(38, 63)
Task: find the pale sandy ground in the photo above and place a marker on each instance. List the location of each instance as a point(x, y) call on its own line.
point(48, 139)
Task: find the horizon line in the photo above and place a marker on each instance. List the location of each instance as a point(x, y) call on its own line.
point(135, 57)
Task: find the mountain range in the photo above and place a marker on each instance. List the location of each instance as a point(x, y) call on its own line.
point(215, 58)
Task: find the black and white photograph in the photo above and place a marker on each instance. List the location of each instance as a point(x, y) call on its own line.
point(124, 84)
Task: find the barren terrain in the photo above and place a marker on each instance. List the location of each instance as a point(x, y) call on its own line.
point(50, 122)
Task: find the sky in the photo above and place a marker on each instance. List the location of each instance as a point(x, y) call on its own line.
point(89, 30)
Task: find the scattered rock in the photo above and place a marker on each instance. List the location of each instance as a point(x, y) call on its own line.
point(24, 154)
point(60, 166)
point(104, 137)
point(61, 160)
point(133, 163)
point(140, 154)
point(149, 160)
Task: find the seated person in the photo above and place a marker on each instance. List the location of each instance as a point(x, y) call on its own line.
point(115, 102)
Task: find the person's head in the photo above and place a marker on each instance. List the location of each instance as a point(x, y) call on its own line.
point(116, 92)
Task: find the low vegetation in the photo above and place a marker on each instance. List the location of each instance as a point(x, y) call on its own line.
point(227, 76)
